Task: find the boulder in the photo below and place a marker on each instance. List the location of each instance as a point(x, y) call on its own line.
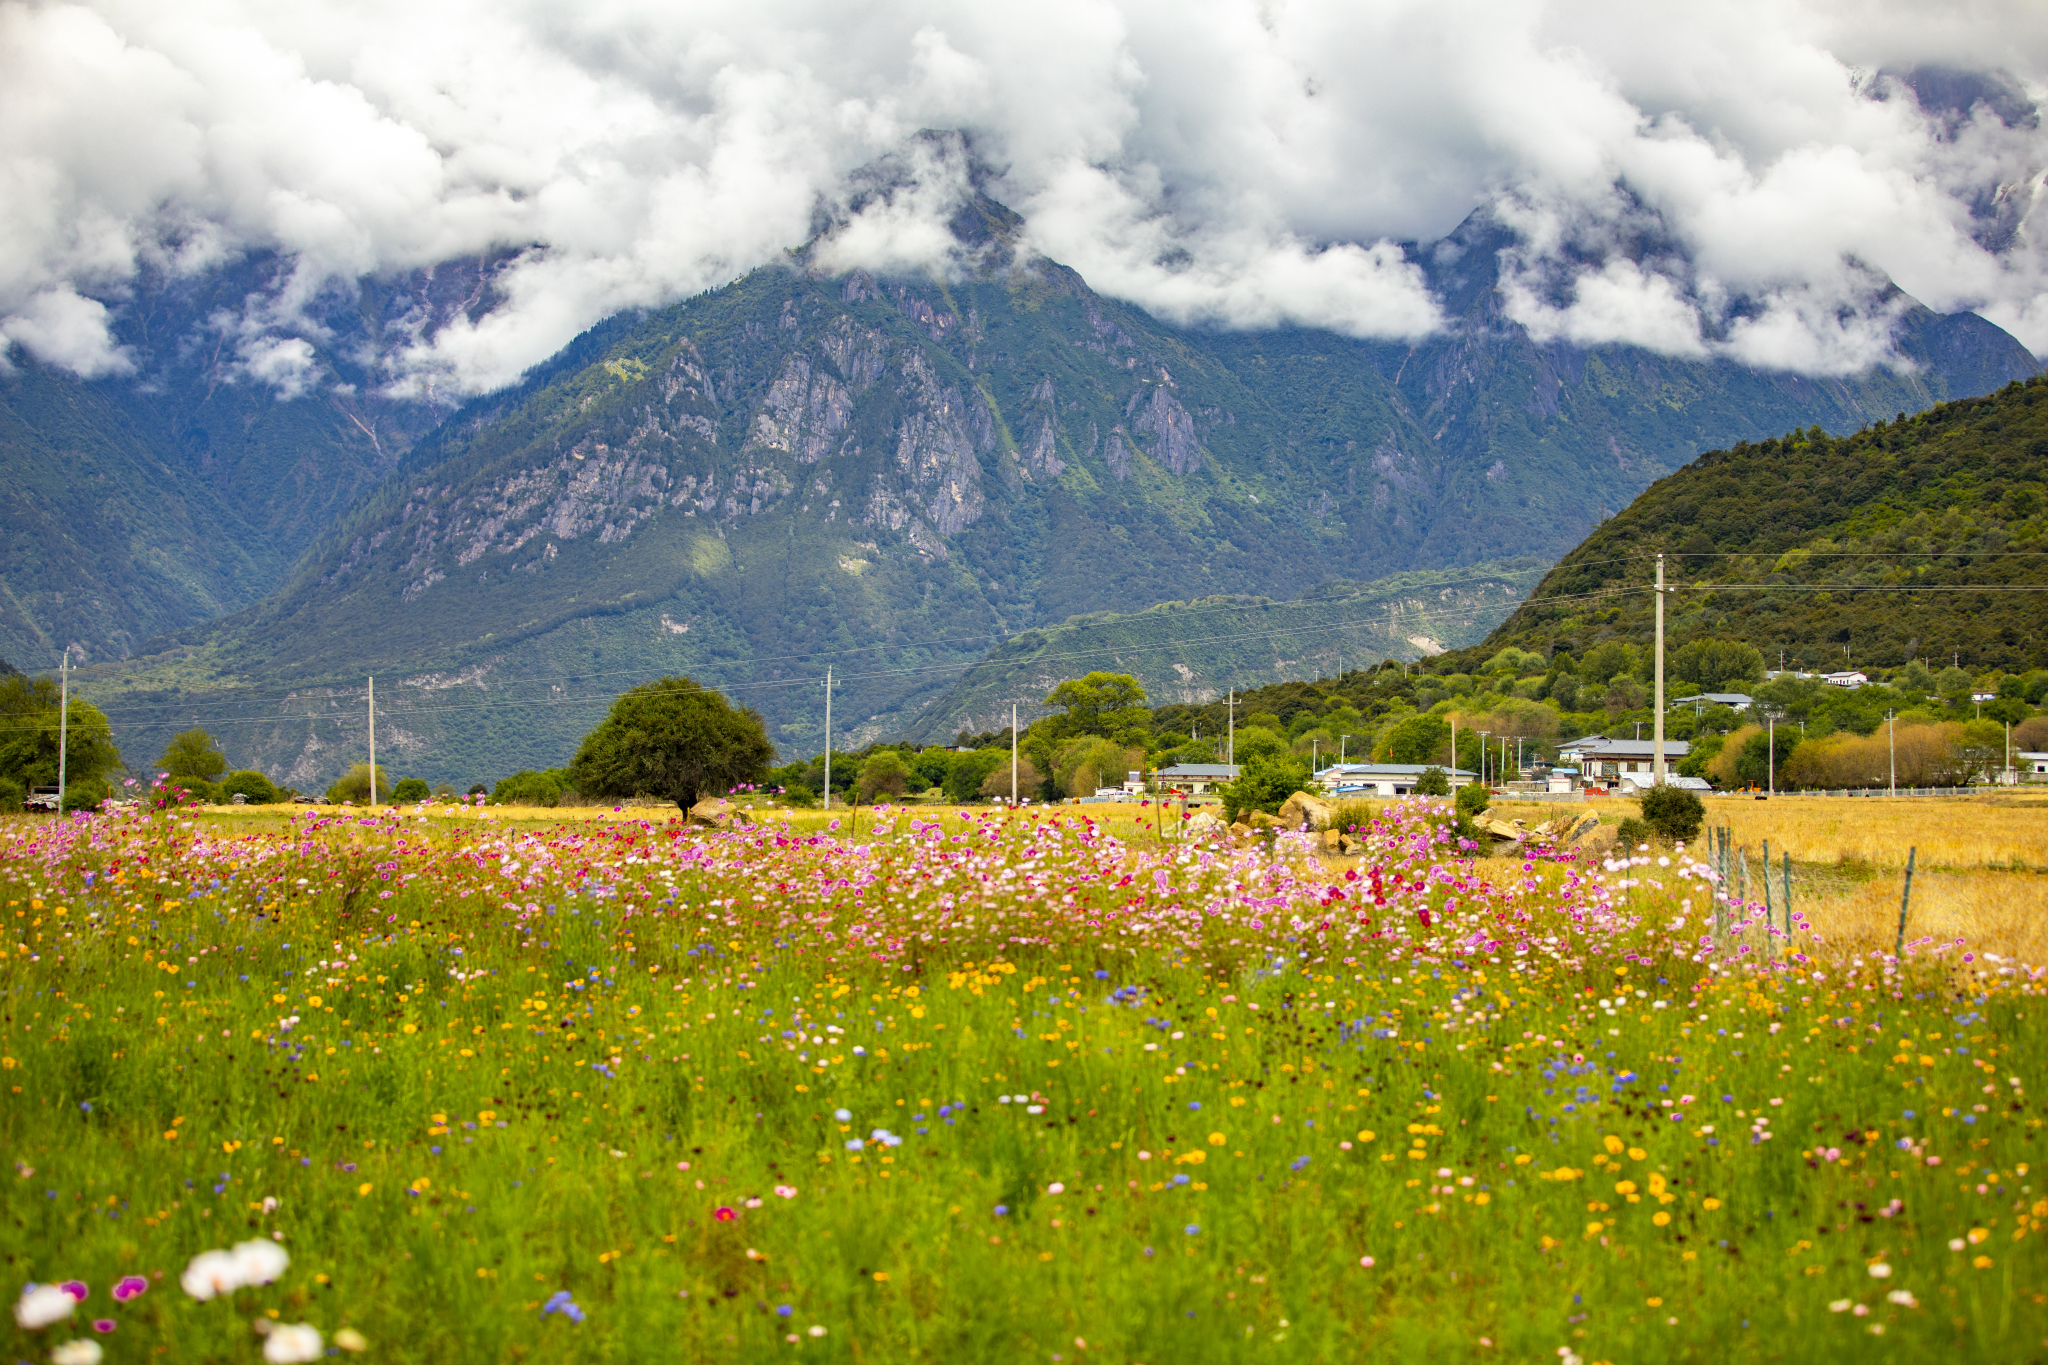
point(713, 813)
point(1333, 840)
point(1260, 820)
point(1499, 828)
point(1203, 825)
point(1240, 828)
point(1598, 842)
point(1302, 811)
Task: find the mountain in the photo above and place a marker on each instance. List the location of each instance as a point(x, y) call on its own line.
point(894, 475)
point(185, 489)
point(1189, 653)
point(1920, 537)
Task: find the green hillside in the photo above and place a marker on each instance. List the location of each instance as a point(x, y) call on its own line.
point(1189, 653)
point(1914, 538)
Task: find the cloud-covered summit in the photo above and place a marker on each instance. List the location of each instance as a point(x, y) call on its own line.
point(1738, 179)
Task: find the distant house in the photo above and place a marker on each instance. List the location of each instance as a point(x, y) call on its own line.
point(1734, 701)
point(1197, 778)
point(2033, 767)
point(1847, 678)
point(1382, 779)
point(1600, 759)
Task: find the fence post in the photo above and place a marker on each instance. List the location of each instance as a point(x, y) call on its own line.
point(1788, 897)
point(1905, 899)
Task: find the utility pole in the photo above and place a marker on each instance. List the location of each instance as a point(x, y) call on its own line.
point(828, 737)
point(1482, 756)
point(1454, 748)
point(1891, 744)
point(373, 741)
point(63, 723)
point(1230, 713)
point(1013, 754)
point(1344, 747)
point(1772, 718)
point(1657, 732)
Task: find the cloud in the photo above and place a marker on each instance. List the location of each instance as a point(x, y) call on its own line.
point(1725, 179)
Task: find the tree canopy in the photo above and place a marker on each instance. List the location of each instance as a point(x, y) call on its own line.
point(674, 739)
point(28, 740)
point(193, 753)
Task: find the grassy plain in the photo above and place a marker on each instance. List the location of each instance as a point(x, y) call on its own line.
point(970, 1087)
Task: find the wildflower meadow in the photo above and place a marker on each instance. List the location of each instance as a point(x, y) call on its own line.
point(416, 1084)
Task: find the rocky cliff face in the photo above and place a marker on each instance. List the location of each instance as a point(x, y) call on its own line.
point(893, 475)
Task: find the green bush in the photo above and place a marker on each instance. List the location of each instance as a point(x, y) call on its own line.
point(1673, 813)
point(1262, 784)
point(411, 789)
point(1633, 833)
point(1433, 782)
point(12, 794)
point(354, 785)
point(259, 789)
point(1473, 798)
point(528, 788)
point(1350, 815)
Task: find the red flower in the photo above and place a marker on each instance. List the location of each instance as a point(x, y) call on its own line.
point(723, 1214)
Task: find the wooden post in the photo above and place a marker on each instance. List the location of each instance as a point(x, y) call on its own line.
point(1905, 899)
point(1788, 897)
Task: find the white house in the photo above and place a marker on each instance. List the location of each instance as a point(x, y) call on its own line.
point(1734, 701)
point(1382, 779)
point(1600, 759)
point(2033, 767)
point(1848, 678)
point(1196, 778)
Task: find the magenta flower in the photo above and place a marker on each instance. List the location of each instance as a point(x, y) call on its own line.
point(76, 1289)
point(103, 1325)
point(723, 1214)
point(130, 1287)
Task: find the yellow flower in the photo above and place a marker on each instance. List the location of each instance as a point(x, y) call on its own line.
point(1710, 1204)
point(1366, 1135)
point(1217, 1139)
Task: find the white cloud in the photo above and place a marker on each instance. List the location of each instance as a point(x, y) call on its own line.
point(1693, 178)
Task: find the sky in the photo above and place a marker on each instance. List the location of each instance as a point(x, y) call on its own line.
point(1736, 179)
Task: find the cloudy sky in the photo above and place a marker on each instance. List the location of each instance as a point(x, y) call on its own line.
point(1226, 162)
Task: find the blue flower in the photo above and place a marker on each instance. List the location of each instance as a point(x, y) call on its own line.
point(1101, 975)
point(843, 1115)
point(1194, 1104)
point(783, 1310)
point(854, 1144)
point(1002, 1209)
point(1193, 1230)
point(1297, 1163)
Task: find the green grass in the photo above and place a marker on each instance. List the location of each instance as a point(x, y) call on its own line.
point(625, 1114)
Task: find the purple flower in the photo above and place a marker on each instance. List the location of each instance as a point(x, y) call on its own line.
point(103, 1324)
point(76, 1289)
point(130, 1287)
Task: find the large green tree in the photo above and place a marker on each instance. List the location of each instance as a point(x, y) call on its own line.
point(193, 753)
point(28, 740)
point(675, 739)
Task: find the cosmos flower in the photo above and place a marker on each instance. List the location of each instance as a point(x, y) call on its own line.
point(40, 1305)
point(293, 1343)
point(130, 1287)
point(81, 1351)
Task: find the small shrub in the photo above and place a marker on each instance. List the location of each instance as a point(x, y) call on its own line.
point(1633, 833)
point(1674, 813)
point(1433, 782)
point(409, 789)
point(1472, 799)
point(1351, 815)
point(257, 788)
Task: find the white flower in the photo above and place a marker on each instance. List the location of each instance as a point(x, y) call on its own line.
point(291, 1342)
point(1903, 1298)
point(83, 1351)
point(1880, 1271)
point(211, 1273)
point(42, 1305)
point(260, 1260)
point(1840, 1306)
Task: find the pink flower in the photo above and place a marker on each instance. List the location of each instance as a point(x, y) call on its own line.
point(723, 1214)
point(130, 1287)
point(76, 1289)
point(786, 1191)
